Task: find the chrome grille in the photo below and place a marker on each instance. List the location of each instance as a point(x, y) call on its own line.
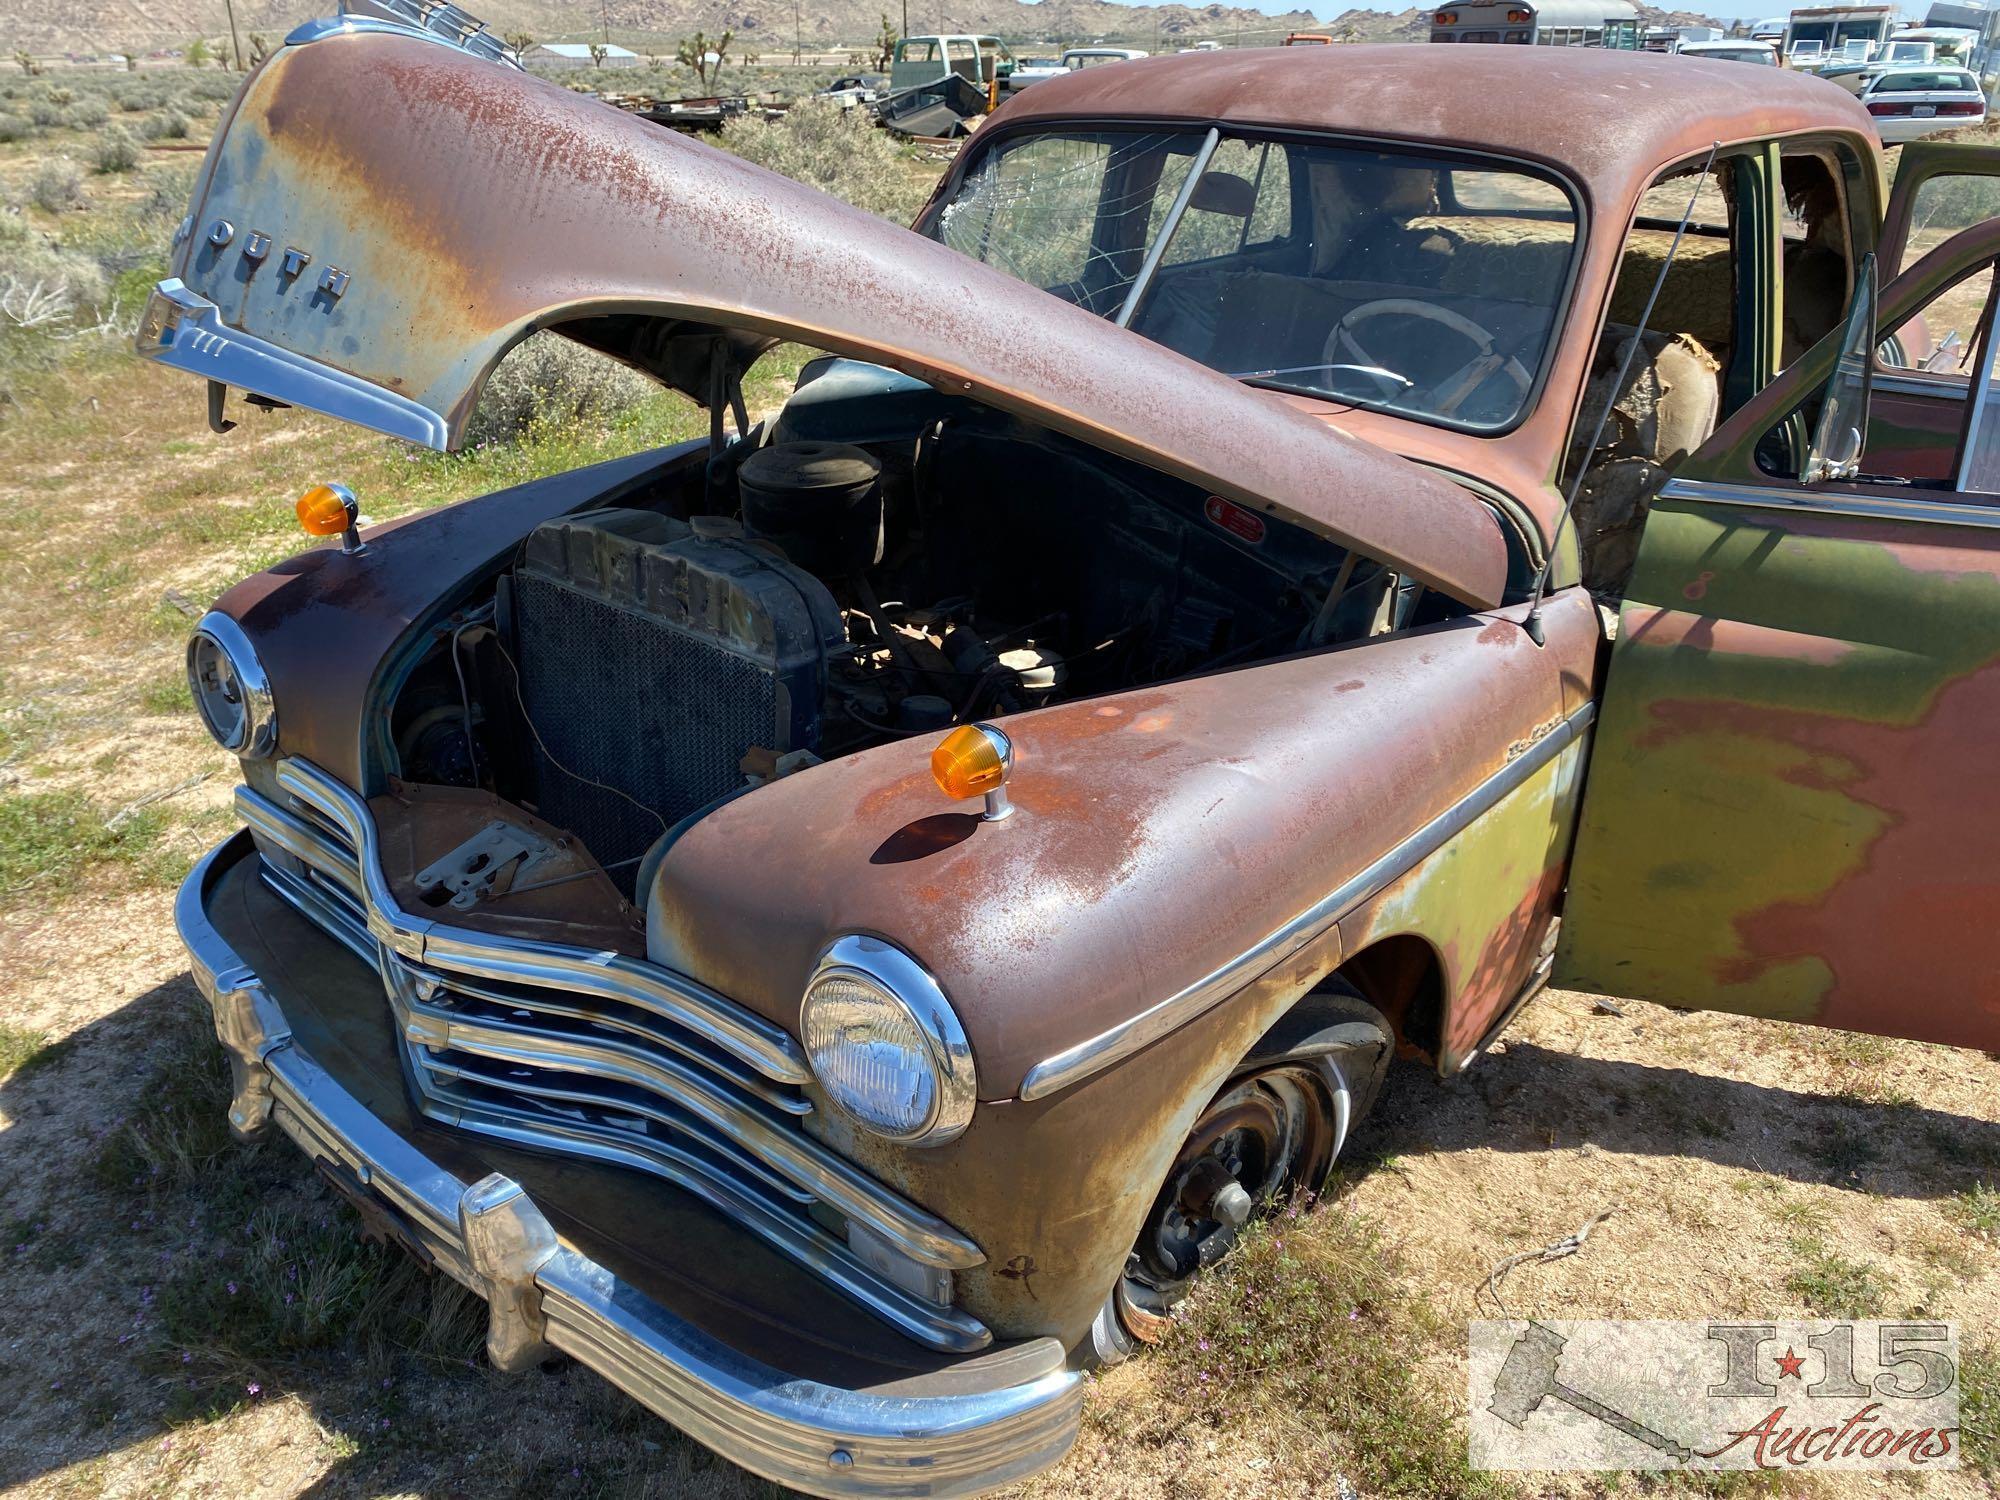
point(611, 1059)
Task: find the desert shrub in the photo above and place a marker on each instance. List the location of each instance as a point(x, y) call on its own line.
point(167, 125)
point(212, 86)
point(14, 228)
point(14, 128)
point(56, 185)
point(57, 286)
point(45, 115)
point(114, 150)
point(835, 150)
point(61, 98)
point(87, 114)
point(168, 191)
point(550, 381)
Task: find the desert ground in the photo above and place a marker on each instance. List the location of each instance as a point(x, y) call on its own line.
point(185, 1316)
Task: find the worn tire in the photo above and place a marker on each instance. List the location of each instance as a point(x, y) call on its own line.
point(1333, 1041)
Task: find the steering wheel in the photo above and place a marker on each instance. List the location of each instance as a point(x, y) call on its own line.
point(1444, 396)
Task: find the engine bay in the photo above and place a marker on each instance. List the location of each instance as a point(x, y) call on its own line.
point(878, 562)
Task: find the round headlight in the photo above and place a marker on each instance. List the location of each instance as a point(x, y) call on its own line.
point(230, 689)
point(884, 1043)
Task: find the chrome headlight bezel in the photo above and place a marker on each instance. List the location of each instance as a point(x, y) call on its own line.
point(246, 723)
point(899, 981)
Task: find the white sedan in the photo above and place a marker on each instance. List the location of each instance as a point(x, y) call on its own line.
point(1911, 102)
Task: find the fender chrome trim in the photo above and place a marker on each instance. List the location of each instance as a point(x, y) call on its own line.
point(1057, 1073)
point(182, 328)
point(431, 20)
point(543, 1294)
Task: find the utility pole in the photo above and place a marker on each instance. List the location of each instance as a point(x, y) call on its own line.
point(906, 19)
point(235, 42)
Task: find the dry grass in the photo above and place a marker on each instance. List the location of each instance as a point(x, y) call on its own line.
point(183, 1312)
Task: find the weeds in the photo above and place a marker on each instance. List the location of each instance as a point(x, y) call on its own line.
point(1979, 1409)
point(23, 1051)
point(1833, 1286)
point(1306, 1318)
point(47, 838)
point(1978, 1209)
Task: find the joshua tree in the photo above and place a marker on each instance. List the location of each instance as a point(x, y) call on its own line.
point(260, 48)
point(885, 45)
point(598, 52)
point(520, 41)
point(25, 61)
point(196, 55)
point(704, 56)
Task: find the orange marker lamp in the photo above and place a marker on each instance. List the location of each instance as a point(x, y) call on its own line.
point(975, 760)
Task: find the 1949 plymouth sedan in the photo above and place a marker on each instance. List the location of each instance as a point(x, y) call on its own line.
point(832, 926)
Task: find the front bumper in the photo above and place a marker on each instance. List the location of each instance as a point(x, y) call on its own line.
point(545, 1294)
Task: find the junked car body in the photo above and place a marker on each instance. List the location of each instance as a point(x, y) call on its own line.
point(966, 841)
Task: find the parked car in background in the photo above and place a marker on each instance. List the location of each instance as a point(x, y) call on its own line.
point(1907, 50)
point(921, 60)
point(1029, 70)
point(836, 924)
point(1951, 46)
point(1909, 103)
point(1740, 50)
point(1079, 58)
point(857, 88)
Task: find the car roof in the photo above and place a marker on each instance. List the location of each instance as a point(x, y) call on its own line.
point(1609, 119)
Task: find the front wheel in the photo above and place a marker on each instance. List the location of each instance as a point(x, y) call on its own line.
point(1273, 1131)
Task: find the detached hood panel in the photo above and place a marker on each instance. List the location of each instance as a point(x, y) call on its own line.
point(383, 216)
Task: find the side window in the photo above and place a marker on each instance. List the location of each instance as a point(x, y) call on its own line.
point(1243, 200)
point(1939, 340)
point(1818, 256)
point(1937, 429)
point(1653, 398)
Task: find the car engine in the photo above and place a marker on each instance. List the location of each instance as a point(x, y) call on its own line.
point(799, 599)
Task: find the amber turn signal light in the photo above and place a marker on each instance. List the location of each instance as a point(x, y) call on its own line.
point(974, 760)
point(331, 510)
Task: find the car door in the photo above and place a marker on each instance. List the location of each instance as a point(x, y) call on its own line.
point(1789, 811)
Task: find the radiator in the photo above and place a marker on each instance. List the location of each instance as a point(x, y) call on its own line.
point(651, 661)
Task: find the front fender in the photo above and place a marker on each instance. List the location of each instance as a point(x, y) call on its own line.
point(1161, 836)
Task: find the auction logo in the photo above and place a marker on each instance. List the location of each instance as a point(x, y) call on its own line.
point(1650, 1395)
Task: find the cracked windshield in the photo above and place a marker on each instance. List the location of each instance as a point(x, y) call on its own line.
point(1411, 284)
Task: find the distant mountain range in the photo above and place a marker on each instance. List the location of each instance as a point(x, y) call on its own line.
point(100, 26)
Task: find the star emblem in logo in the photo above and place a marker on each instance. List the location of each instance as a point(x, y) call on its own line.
point(1790, 1364)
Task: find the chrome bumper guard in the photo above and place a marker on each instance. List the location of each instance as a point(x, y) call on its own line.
point(544, 1296)
point(611, 1059)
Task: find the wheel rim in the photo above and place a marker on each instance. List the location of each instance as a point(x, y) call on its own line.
point(1266, 1136)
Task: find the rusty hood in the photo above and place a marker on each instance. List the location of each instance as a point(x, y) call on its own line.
point(382, 216)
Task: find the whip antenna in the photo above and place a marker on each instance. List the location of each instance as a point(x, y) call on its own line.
point(1533, 623)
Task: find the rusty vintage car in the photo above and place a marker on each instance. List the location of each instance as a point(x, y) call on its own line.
point(832, 926)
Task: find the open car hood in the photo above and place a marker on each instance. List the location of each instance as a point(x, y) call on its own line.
point(383, 215)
